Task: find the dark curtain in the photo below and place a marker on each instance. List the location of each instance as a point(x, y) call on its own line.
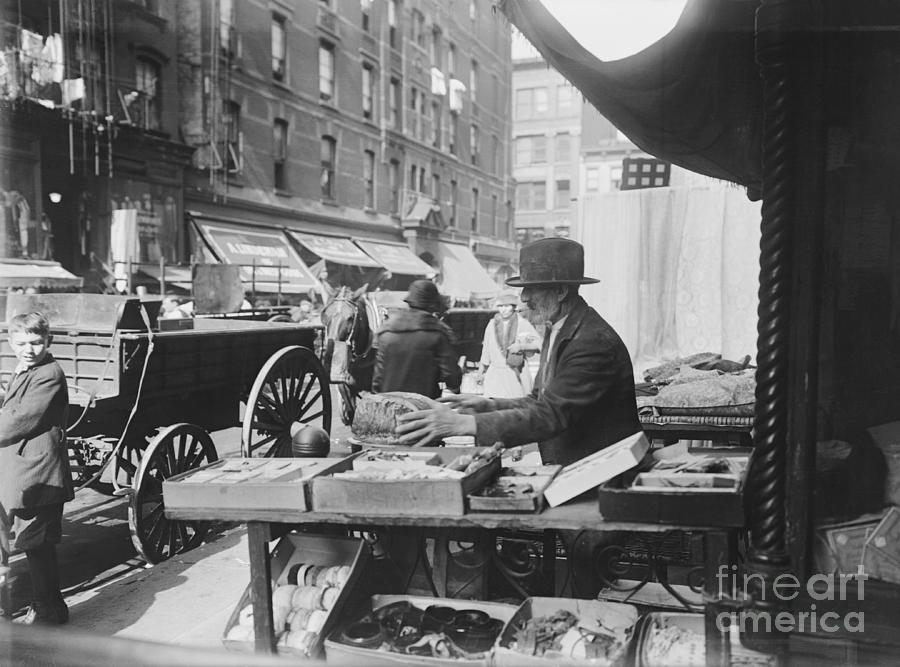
point(693, 98)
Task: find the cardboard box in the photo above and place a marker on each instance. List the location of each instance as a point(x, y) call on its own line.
point(614, 616)
point(621, 500)
point(314, 550)
point(441, 497)
point(252, 483)
point(340, 653)
point(587, 473)
point(539, 477)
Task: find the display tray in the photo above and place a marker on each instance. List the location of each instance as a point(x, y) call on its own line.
point(616, 618)
point(722, 506)
point(742, 410)
point(423, 497)
point(302, 550)
point(252, 483)
point(538, 477)
point(678, 639)
point(339, 650)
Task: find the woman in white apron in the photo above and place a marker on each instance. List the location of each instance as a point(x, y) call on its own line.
point(508, 337)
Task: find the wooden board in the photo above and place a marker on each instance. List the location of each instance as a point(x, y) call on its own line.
point(538, 476)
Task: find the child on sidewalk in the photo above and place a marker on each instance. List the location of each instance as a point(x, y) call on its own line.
point(35, 478)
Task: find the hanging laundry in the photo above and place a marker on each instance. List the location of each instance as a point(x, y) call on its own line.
point(72, 90)
point(457, 88)
point(438, 82)
point(55, 47)
point(10, 88)
point(30, 44)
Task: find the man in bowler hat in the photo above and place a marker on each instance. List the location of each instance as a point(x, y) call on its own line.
point(583, 398)
point(415, 349)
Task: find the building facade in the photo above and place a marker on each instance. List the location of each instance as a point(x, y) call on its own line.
point(381, 120)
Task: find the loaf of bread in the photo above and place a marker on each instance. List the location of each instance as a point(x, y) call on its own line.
point(376, 415)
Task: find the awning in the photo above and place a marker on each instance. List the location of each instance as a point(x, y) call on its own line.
point(334, 249)
point(462, 275)
point(396, 258)
point(37, 274)
point(694, 97)
point(264, 255)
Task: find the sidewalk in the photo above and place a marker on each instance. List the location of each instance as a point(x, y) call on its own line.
point(185, 600)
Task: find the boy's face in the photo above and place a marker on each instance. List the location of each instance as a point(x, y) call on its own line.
point(29, 348)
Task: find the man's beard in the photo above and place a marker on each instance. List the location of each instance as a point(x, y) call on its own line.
point(539, 314)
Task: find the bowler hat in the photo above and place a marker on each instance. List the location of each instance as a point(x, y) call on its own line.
point(424, 295)
point(552, 261)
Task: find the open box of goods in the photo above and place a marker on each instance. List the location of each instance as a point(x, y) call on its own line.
point(312, 578)
point(702, 486)
point(421, 487)
point(668, 639)
point(404, 629)
point(516, 489)
point(562, 631)
point(249, 483)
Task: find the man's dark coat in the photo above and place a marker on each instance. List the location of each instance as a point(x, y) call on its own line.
point(587, 404)
point(415, 352)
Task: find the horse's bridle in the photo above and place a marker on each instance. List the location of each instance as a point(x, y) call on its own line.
point(355, 357)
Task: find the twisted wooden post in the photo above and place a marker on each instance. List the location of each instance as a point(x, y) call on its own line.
point(775, 29)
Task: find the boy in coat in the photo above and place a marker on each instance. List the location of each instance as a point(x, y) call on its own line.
point(35, 478)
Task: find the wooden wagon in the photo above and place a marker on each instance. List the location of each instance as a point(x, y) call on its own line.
point(143, 400)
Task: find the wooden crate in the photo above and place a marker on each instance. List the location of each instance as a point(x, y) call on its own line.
point(538, 476)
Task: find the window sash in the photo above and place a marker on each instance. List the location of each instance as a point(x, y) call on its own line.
point(328, 150)
point(326, 72)
point(279, 49)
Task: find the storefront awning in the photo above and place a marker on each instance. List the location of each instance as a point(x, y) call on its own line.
point(462, 275)
point(264, 255)
point(37, 274)
point(396, 258)
point(334, 249)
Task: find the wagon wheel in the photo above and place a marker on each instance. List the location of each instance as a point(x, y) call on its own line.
point(176, 449)
point(291, 387)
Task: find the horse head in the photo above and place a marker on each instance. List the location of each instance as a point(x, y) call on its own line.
point(345, 320)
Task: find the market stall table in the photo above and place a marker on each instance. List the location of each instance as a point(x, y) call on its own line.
point(699, 427)
point(265, 525)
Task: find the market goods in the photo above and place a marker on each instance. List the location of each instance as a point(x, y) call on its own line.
point(670, 368)
point(672, 645)
point(563, 634)
point(725, 390)
point(376, 415)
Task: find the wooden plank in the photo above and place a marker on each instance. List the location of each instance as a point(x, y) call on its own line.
point(260, 586)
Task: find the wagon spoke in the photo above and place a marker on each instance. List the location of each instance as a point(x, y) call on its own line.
point(182, 534)
point(182, 443)
point(313, 416)
point(307, 389)
point(172, 536)
point(268, 438)
point(266, 426)
point(171, 462)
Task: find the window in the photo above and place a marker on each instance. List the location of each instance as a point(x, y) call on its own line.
point(494, 215)
point(368, 92)
point(436, 187)
point(421, 116)
point(615, 178)
point(417, 28)
point(394, 183)
point(498, 94)
point(563, 148)
point(231, 148)
point(226, 27)
point(329, 154)
point(495, 155)
point(531, 150)
point(414, 110)
point(563, 194)
point(474, 143)
point(279, 151)
point(366, 10)
point(454, 133)
point(454, 198)
point(531, 196)
point(279, 48)
point(326, 72)
point(393, 24)
point(413, 177)
point(395, 104)
point(436, 124)
point(422, 179)
point(531, 102)
point(451, 59)
point(565, 98)
point(592, 179)
point(369, 178)
point(144, 110)
point(474, 226)
point(436, 59)
point(644, 173)
point(473, 81)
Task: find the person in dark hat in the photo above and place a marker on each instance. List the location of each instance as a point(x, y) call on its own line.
point(583, 399)
point(415, 349)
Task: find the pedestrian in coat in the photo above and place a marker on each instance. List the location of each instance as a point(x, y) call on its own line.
point(508, 338)
point(415, 349)
point(583, 399)
point(35, 478)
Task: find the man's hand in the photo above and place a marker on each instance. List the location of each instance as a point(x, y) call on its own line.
point(468, 404)
point(425, 426)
